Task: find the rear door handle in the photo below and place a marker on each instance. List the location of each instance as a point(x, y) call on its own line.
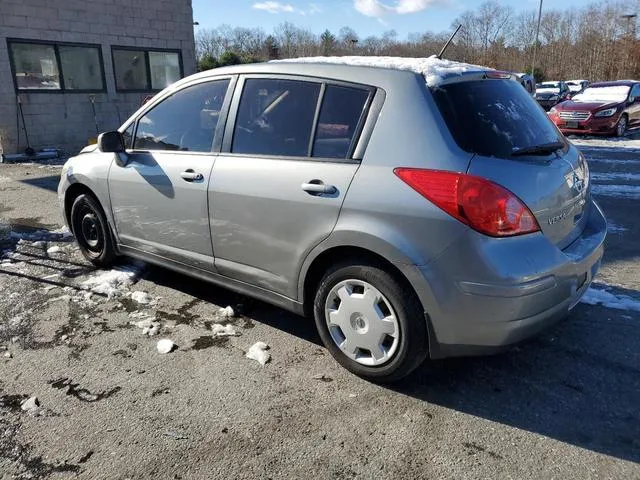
point(191, 176)
point(316, 188)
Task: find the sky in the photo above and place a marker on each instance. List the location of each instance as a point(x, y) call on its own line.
point(366, 17)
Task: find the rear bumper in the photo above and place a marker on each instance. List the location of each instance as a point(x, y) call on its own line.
point(485, 294)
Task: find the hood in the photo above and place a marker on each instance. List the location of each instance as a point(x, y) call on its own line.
point(572, 106)
point(547, 91)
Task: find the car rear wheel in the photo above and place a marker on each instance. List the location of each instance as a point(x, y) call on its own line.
point(90, 227)
point(372, 323)
point(621, 127)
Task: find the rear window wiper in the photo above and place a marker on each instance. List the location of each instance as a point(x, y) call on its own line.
point(542, 149)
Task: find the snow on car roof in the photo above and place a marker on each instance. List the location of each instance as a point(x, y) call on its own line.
point(434, 70)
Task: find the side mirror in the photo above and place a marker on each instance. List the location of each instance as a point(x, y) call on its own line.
point(632, 99)
point(111, 142)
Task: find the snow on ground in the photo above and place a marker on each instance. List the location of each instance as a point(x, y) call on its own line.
point(224, 330)
point(610, 144)
point(113, 282)
point(613, 228)
point(433, 69)
point(619, 191)
point(597, 295)
point(615, 176)
point(258, 352)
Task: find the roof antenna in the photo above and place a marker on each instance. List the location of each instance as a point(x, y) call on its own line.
point(439, 56)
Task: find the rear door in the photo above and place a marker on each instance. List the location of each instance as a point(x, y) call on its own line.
point(516, 145)
point(159, 196)
point(280, 181)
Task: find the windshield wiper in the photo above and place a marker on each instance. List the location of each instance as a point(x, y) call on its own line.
point(542, 149)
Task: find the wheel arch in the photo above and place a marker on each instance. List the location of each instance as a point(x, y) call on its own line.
point(316, 267)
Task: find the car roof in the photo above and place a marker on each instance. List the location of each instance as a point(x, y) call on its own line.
point(617, 83)
point(355, 68)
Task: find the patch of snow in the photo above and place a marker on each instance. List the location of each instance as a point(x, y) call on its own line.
point(227, 312)
point(615, 176)
point(54, 249)
point(165, 346)
point(7, 355)
point(433, 69)
point(258, 352)
point(619, 191)
point(223, 331)
point(612, 161)
point(149, 326)
point(600, 296)
point(141, 297)
point(39, 244)
point(113, 282)
point(611, 144)
point(613, 228)
point(30, 404)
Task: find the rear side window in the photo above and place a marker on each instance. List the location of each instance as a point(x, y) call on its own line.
point(186, 121)
point(340, 114)
point(493, 118)
point(275, 117)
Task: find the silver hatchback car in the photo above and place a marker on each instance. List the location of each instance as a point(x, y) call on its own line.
point(414, 207)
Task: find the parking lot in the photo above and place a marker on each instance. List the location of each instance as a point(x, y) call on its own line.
point(564, 405)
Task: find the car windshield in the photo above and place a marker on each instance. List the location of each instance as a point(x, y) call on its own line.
point(549, 86)
point(618, 93)
point(494, 118)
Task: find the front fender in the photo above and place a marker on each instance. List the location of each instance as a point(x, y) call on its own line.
point(92, 171)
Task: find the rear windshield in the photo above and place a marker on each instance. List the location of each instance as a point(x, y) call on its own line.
point(494, 117)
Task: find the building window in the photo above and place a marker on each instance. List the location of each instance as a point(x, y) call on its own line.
point(39, 66)
point(144, 70)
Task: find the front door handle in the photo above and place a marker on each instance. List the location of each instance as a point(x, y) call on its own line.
point(316, 187)
point(191, 176)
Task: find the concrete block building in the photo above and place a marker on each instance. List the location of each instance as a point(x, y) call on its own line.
point(79, 67)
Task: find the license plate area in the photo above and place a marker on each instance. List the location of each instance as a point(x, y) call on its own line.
point(572, 124)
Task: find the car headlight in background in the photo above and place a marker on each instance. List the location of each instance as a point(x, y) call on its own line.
point(606, 113)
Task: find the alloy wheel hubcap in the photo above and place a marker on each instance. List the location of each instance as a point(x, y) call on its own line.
point(362, 322)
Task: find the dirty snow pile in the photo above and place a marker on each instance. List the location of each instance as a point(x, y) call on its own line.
point(165, 346)
point(258, 352)
point(149, 326)
point(600, 296)
point(432, 68)
point(224, 330)
point(113, 282)
point(141, 297)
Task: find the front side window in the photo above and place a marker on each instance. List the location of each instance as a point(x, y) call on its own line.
point(186, 121)
point(145, 70)
point(340, 114)
point(275, 117)
point(67, 67)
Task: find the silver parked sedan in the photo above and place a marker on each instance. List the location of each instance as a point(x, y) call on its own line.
point(414, 207)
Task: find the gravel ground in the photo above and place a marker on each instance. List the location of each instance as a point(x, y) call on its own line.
point(565, 405)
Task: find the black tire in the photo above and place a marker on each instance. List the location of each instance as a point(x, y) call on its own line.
point(413, 343)
point(91, 229)
point(622, 125)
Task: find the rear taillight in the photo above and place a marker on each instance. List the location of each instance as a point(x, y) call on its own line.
point(483, 205)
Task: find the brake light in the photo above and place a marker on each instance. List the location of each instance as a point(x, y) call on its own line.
point(483, 205)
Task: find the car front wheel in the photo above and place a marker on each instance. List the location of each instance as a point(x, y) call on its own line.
point(621, 127)
point(90, 227)
point(372, 323)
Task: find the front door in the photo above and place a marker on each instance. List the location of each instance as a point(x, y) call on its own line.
point(277, 188)
point(159, 195)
